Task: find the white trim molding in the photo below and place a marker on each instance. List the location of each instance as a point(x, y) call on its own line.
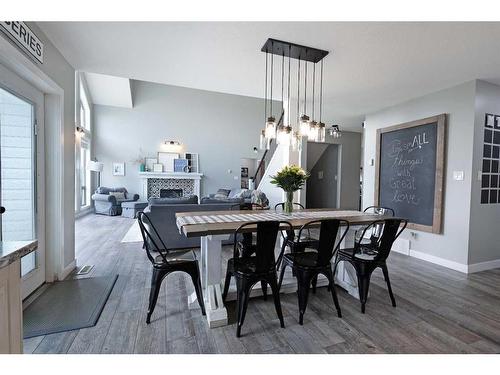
point(484, 266)
point(67, 270)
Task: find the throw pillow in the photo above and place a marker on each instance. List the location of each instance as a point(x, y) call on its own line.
point(222, 193)
point(118, 195)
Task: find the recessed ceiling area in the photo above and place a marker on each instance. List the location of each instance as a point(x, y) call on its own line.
point(109, 90)
point(371, 65)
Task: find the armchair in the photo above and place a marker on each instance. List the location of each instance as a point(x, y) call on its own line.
point(111, 204)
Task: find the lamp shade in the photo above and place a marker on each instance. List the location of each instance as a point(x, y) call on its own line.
point(95, 166)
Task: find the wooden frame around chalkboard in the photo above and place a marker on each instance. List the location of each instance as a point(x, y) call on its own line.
point(439, 178)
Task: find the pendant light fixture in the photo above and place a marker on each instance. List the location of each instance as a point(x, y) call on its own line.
point(285, 134)
point(271, 121)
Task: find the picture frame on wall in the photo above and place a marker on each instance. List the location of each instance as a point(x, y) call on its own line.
point(157, 168)
point(118, 169)
point(149, 163)
point(167, 160)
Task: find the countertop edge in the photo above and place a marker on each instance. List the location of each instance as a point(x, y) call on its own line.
point(25, 247)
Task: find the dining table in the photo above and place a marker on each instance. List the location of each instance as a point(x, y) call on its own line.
point(214, 227)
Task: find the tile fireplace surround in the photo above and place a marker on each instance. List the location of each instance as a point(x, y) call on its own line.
point(153, 182)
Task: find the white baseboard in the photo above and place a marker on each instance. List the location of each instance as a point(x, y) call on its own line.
point(67, 270)
point(439, 261)
point(483, 266)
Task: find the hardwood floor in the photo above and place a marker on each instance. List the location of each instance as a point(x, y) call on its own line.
point(439, 311)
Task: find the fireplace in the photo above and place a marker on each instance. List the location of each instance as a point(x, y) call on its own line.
point(183, 184)
point(170, 193)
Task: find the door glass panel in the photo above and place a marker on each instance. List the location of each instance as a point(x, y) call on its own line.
point(17, 173)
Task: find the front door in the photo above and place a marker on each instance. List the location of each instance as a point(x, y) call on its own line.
point(21, 172)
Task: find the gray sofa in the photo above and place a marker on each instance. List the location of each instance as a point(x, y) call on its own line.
point(248, 196)
point(162, 212)
point(107, 204)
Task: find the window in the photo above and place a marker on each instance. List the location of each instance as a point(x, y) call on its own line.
point(83, 150)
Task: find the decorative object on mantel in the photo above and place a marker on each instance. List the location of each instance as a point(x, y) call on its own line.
point(167, 159)
point(118, 169)
point(180, 165)
point(284, 132)
point(150, 162)
point(290, 179)
point(157, 168)
point(193, 162)
point(140, 161)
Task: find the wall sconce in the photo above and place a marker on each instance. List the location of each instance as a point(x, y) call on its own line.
point(172, 146)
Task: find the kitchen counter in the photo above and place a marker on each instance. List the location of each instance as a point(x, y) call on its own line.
point(11, 311)
point(10, 251)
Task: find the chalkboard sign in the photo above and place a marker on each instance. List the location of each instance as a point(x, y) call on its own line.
point(409, 171)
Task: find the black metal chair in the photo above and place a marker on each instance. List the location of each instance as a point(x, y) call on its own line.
point(380, 210)
point(250, 270)
point(166, 262)
point(308, 265)
point(366, 257)
point(245, 242)
point(289, 238)
point(376, 230)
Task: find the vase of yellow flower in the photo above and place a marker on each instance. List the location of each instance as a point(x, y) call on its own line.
point(291, 178)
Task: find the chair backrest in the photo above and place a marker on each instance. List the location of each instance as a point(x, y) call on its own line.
point(267, 232)
point(328, 233)
point(282, 205)
point(391, 229)
point(151, 242)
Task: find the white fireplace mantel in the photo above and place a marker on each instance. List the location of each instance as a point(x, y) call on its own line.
point(195, 177)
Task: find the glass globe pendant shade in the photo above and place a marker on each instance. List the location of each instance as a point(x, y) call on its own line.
point(335, 132)
point(304, 125)
point(313, 131)
point(296, 141)
point(271, 128)
point(321, 132)
point(284, 135)
point(263, 143)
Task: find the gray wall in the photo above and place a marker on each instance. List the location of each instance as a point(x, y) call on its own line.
point(323, 192)
point(458, 103)
point(222, 128)
point(483, 241)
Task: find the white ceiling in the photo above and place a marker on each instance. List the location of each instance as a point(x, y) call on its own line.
point(372, 65)
point(109, 90)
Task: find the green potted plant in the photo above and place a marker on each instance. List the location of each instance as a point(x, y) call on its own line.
point(291, 178)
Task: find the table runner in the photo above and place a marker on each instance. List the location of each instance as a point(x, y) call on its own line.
point(262, 216)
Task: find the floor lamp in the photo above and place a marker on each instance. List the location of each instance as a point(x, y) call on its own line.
point(95, 166)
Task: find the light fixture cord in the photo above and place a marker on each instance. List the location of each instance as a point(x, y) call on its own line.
point(298, 91)
point(321, 92)
point(265, 94)
point(288, 95)
point(272, 68)
point(282, 82)
point(305, 90)
point(314, 84)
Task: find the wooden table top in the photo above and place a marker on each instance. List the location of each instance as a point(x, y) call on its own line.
point(205, 229)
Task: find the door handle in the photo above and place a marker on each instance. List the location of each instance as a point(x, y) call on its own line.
point(2, 210)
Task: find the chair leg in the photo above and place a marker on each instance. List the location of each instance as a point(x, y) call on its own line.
point(273, 282)
point(282, 274)
point(195, 276)
point(386, 277)
point(226, 283)
point(331, 285)
point(156, 279)
point(242, 302)
point(263, 286)
point(363, 286)
point(303, 284)
point(282, 253)
point(314, 282)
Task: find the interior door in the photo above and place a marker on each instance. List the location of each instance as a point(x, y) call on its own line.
point(21, 172)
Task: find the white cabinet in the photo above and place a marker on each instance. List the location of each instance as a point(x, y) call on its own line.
point(11, 313)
